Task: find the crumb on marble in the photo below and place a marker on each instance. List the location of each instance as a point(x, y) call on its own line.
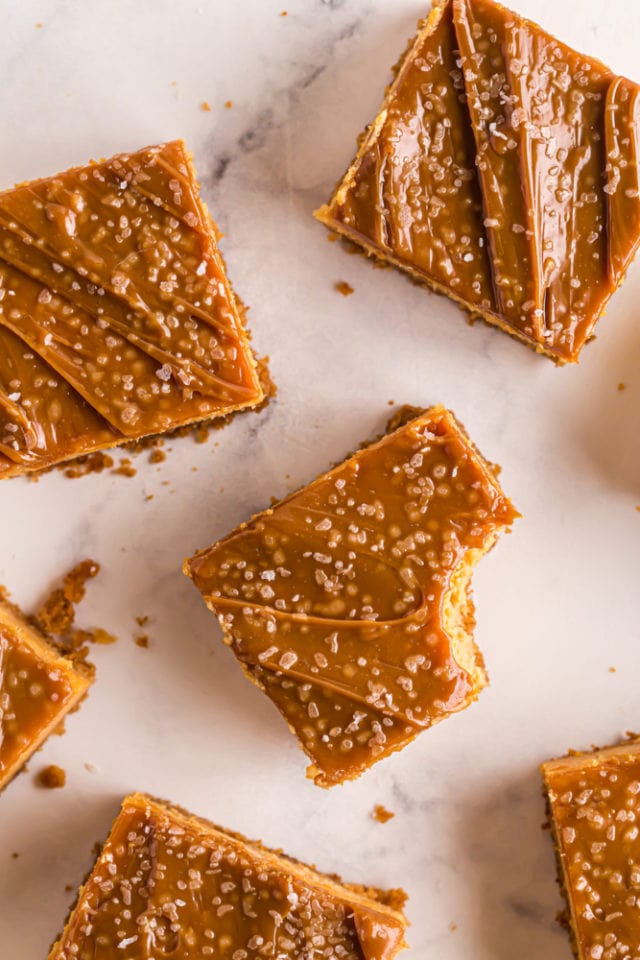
point(453, 926)
point(343, 287)
point(228, 104)
point(157, 455)
point(51, 777)
point(381, 814)
point(89, 767)
point(612, 670)
point(205, 106)
point(622, 386)
point(57, 614)
point(125, 468)
point(14, 856)
point(91, 463)
point(142, 640)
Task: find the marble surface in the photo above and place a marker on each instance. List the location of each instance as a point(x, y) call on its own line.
point(557, 600)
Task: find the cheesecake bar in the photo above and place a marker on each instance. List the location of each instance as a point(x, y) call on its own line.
point(117, 320)
point(348, 602)
point(38, 687)
point(501, 170)
point(170, 884)
point(594, 806)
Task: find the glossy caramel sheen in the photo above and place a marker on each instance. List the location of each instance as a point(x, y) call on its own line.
point(170, 885)
point(116, 317)
point(338, 601)
point(502, 170)
point(594, 801)
point(37, 688)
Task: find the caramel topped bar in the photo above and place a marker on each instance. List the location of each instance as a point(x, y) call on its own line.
point(117, 320)
point(348, 603)
point(503, 171)
point(594, 802)
point(170, 884)
point(37, 688)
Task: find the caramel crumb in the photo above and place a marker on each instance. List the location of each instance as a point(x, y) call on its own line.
point(142, 621)
point(157, 455)
point(622, 386)
point(125, 468)
point(343, 287)
point(68, 887)
point(149, 496)
point(52, 777)
point(89, 767)
point(92, 463)
point(57, 613)
point(14, 856)
point(205, 106)
point(612, 669)
point(284, 13)
point(228, 104)
point(638, 509)
point(39, 26)
point(99, 636)
point(381, 814)
point(201, 434)
point(142, 640)
point(453, 926)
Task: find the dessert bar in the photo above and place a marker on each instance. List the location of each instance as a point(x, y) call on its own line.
point(117, 320)
point(348, 602)
point(502, 170)
point(38, 687)
point(168, 884)
point(594, 806)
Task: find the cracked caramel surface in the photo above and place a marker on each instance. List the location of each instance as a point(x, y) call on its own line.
point(503, 171)
point(117, 320)
point(168, 884)
point(37, 688)
point(348, 602)
point(594, 801)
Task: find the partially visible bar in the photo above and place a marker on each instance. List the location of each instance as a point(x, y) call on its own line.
point(38, 687)
point(594, 807)
point(171, 884)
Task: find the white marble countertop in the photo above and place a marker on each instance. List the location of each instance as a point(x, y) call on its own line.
point(557, 600)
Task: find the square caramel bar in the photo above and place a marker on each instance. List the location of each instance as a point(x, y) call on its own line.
point(501, 170)
point(38, 687)
point(117, 320)
point(168, 884)
point(594, 805)
point(349, 602)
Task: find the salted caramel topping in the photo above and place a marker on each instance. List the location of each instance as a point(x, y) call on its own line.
point(503, 171)
point(37, 688)
point(117, 320)
point(348, 602)
point(170, 884)
point(594, 801)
